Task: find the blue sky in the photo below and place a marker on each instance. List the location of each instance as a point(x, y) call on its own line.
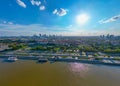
point(28, 17)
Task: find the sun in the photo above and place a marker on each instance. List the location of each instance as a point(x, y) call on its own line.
point(82, 18)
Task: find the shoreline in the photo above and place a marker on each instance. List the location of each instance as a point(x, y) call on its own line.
point(87, 61)
point(84, 61)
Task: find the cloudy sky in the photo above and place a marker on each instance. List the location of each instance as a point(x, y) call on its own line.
point(61, 17)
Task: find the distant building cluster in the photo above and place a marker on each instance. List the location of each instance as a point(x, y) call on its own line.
point(108, 36)
point(45, 36)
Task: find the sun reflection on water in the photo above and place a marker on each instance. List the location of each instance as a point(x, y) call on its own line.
point(78, 69)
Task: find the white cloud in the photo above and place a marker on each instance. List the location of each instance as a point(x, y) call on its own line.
point(112, 19)
point(60, 12)
point(10, 23)
point(37, 3)
point(17, 30)
point(7, 22)
point(42, 7)
point(55, 11)
point(21, 3)
point(101, 21)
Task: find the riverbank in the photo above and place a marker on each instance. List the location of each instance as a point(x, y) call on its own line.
point(102, 61)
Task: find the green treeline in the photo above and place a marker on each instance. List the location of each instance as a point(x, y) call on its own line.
point(15, 46)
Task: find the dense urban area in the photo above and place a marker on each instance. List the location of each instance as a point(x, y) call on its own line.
point(84, 46)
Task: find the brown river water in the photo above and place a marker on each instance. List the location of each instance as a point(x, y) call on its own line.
point(31, 73)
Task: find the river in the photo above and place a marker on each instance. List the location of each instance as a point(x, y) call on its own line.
point(31, 73)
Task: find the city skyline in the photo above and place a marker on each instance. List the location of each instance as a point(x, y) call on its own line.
point(69, 18)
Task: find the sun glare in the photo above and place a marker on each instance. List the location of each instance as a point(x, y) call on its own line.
point(82, 18)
